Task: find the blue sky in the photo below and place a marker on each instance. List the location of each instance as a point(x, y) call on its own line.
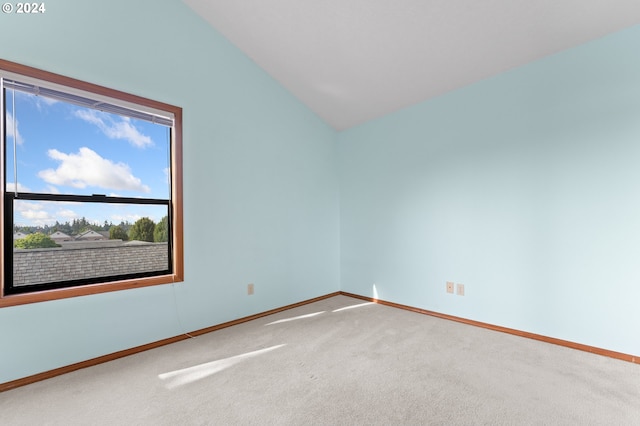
point(66, 149)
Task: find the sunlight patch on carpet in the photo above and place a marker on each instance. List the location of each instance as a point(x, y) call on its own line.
point(191, 374)
point(359, 305)
point(297, 318)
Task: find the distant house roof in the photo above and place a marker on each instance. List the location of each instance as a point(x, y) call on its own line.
point(19, 235)
point(60, 236)
point(91, 236)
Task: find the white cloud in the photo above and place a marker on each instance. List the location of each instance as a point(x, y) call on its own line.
point(42, 102)
point(11, 187)
point(67, 214)
point(52, 189)
point(132, 218)
point(23, 206)
point(122, 129)
point(41, 214)
point(37, 216)
point(34, 213)
point(87, 168)
point(10, 129)
point(45, 100)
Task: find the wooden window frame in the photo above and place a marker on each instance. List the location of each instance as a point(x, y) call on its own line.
point(177, 246)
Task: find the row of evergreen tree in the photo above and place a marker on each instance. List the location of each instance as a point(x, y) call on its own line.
point(75, 227)
point(144, 229)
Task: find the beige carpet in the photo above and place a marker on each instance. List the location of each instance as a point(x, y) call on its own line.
point(340, 362)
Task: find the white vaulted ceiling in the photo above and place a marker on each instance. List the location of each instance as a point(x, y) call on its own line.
point(352, 61)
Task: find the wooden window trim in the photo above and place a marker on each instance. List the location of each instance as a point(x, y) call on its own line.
point(176, 167)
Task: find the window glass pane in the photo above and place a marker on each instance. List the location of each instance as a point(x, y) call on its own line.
point(66, 149)
point(92, 168)
point(66, 241)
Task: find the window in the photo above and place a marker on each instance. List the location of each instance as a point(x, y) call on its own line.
point(92, 188)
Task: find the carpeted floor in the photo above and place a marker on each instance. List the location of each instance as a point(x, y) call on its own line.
point(340, 362)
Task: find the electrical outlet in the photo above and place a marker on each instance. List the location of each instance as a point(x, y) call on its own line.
point(250, 289)
point(449, 287)
point(460, 290)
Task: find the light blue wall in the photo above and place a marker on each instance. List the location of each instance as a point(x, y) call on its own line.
point(524, 187)
point(260, 180)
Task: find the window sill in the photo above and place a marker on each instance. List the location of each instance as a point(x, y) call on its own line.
point(65, 293)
